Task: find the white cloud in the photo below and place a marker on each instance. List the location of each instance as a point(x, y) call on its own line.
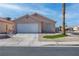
point(43, 10)
point(72, 16)
point(39, 9)
point(11, 6)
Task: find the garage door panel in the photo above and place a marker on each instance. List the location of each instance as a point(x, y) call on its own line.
point(27, 28)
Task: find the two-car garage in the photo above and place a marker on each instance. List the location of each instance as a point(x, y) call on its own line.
point(28, 28)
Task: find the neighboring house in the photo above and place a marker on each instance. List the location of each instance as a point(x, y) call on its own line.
point(68, 29)
point(6, 26)
point(76, 28)
point(34, 23)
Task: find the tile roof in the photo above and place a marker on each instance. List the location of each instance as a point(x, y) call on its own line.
point(36, 17)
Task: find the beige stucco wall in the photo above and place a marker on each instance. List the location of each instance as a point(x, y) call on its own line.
point(48, 27)
point(2, 27)
point(6, 27)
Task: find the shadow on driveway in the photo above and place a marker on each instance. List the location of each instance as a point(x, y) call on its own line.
point(4, 36)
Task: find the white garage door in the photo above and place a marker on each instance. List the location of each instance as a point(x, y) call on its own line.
point(27, 28)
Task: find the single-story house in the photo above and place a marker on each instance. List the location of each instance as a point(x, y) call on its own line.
point(76, 28)
point(6, 26)
point(34, 23)
point(68, 29)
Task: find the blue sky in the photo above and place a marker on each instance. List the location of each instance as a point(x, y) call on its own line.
point(50, 10)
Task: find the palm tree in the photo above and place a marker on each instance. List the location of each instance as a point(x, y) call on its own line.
point(63, 18)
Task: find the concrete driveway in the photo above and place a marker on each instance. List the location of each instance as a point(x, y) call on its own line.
point(19, 40)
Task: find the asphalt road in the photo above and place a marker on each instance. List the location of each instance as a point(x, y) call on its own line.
point(76, 33)
point(36, 51)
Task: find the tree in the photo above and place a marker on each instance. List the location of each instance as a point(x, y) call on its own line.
point(8, 18)
point(63, 18)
